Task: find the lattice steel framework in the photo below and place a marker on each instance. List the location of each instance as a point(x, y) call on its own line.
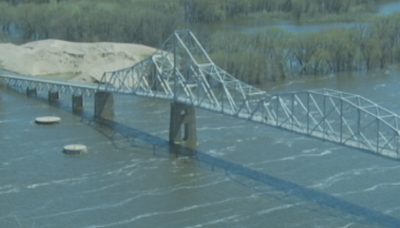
point(21, 81)
point(181, 71)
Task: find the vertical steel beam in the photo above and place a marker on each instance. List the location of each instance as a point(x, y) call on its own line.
point(377, 135)
point(174, 73)
point(277, 110)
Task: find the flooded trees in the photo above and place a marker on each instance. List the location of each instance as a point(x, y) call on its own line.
point(203, 11)
point(275, 54)
point(255, 58)
point(252, 57)
point(340, 50)
point(6, 16)
point(103, 21)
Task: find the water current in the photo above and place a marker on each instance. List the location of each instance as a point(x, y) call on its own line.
point(242, 175)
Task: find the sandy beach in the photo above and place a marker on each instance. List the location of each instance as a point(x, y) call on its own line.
point(80, 62)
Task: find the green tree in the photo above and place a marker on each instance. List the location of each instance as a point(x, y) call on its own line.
point(6, 16)
point(203, 11)
point(302, 50)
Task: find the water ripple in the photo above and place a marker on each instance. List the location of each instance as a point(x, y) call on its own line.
point(292, 158)
point(147, 215)
point(64, 181)
point(370, 189)
point(216, 221)
point(269, 210)
point(328, 182)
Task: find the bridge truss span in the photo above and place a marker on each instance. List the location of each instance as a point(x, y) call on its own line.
point(66, 87)
point(334, 116)
point(182, 71)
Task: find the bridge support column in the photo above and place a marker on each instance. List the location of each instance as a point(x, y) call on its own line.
point(182, 120)
point(31, 91)
point(53, 96)
point(103, 105)
point(77, 102)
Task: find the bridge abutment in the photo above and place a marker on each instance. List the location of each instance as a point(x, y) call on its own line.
point(182, 121)
point(77, 102)
point(103, 105)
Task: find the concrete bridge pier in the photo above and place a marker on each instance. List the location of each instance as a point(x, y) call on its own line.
point(182, 120)
point(77, 102)
point(31, 91)
point(103, 105)
point(53, 96)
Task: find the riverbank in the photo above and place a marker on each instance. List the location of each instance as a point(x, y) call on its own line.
point(74, 61)
point(256, 48)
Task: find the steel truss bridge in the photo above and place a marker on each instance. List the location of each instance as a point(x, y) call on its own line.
point(35, 83)
point(182, 72)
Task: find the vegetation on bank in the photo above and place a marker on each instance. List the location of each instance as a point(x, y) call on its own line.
point(253, 57)
point(276, 54)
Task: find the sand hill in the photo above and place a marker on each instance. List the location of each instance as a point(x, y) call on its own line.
point(82, 62)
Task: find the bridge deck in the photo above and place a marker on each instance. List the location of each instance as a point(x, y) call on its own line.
point(18, 80)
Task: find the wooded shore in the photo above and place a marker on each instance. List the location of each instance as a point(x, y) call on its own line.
point(255, 58)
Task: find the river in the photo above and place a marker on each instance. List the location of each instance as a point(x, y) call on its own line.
point(241, 175)
point(128, 182)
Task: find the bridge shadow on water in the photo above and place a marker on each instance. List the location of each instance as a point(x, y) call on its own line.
point(363, 214)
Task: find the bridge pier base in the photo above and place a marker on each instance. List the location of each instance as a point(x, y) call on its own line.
point(182, 120)
point(103, 105)
point(53, 96)
point(31, 91)
point(77, 102)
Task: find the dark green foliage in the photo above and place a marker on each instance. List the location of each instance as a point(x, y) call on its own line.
point(276, 54)
point(142, 22)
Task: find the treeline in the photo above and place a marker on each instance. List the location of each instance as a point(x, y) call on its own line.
point(16, 2)
point(276, 54)
point(254, 58)
point(217, 10)
point(146, 21)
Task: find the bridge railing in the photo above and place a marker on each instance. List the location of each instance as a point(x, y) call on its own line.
point(22, 81)
point(334, 116)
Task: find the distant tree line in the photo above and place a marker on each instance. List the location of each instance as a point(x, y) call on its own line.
point(276, 54)
point(216, 10)
point(255, 57)
point(146, 21)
